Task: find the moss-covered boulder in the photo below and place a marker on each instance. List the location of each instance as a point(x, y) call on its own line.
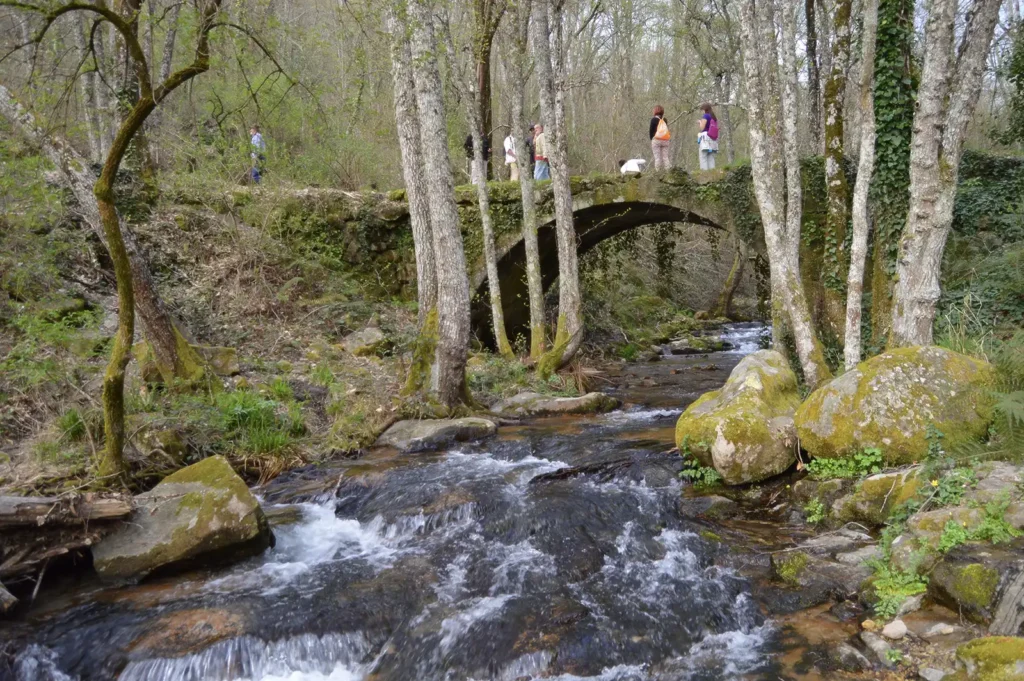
point(745, 429)
point(535, 404)
point(889, 402)
point(992, 658)
point(368, 341)
point(875, 497)
point(201, 515)
point(984, 583)
point(427, 434)
point(966, 587)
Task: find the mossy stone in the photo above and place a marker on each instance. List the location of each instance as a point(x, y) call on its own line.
point(891, 400)
point(789, 566)
point(993, 658)
point(967, 588)
point(745, 429)
point(875, 497)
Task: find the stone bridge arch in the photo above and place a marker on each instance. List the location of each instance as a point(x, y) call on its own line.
point(603, 207)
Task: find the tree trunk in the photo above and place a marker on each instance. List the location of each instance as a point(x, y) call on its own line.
point(452, 283)
point(407, 118)
point(894, 95)
point(732, 281)
point(137, 155)
point(724, 83)
point(768, 163)
point(486, 225)
point(950, 86)
point(836, 187)
point(865, 167)
point(167, 58)
point(176, 360)
point(517, 71)
point(813, 82)
point(569, 331)
point(87, 90)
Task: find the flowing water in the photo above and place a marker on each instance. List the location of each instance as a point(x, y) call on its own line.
point(556, 551)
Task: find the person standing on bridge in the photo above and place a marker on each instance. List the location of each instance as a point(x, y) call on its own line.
point(257, 153)
point(510, 157)
point(707, 137)
point(661, 146)
point(541, 169)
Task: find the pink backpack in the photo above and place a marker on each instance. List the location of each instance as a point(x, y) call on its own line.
point(713, 128)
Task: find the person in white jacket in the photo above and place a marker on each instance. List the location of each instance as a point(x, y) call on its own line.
point(633, 165)
point(510, 158)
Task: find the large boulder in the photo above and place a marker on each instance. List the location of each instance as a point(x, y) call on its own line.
point(993, 658)
point(535, 404)
point(983, 583)
point(366, 342)
point(423, 435)
point(745, 429)
point(889, 402)
point(200, 515)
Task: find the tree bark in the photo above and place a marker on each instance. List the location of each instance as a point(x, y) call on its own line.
point(517, 72)
point(176, 360)
point(407, 118)
point(769, 169)
point(732, 281)
point(167, 58)
point(569, 330)
point(950, 86)
point(836, 186)
point(865, 168)
point(87, 90)
point(813, 81)
point(452, 282)
point(486, 17)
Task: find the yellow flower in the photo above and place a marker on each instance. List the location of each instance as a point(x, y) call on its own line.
point(935, 483)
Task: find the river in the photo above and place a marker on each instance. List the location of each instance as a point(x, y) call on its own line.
point(557, 550)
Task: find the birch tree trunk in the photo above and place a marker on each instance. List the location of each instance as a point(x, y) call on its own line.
point(768, 162)
point(449, 377)
point(865, 168)
point(167, 58)
point(175, 358)
point(517, 72)
point(569, 331)
point(949, 90)
point(724, 87)
point(836, 186)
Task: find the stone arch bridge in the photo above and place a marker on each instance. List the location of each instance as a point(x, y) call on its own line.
point(370, 231)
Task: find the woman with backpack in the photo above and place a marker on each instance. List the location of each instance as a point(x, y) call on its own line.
point(707, 138)
point(661, 146)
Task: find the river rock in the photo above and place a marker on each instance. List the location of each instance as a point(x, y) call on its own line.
point(931, 674)
point(894, 630)
point(535, 404)
point(710, 506)
point(368, 341)
point(846, 657)
point(815, 580)
point(423, 435)
point(200, 515)
point(745, 429)
point(890, 400)
point(875, 497)
point(993, 658)
point(984, 583)
point(878, 646)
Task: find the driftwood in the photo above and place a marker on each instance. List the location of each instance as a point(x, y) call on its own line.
point(72, 510)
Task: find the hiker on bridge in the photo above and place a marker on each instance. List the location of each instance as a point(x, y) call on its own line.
point(661, 145)
point(510, 157)
point(541, 169)
point(707, 137)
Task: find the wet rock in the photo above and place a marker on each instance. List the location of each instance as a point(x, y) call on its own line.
point(842, 540)
point(535, 404)
point(187, 631)
point(993, 658)
point(940, 629)
point(200, 515)
point(814, 580)
point(745, 429)
point(710, 506)
point(418, 436)
point(222, 361)
point(689, 345)
point(918, 547)
point(890, 401)
point(167, 443)
point(984, 583)
point(909, 605)
point(368, 341)
point(875, 497)
point(877, 645)
point(895, 630)
point(825, 491)
point(847, 658)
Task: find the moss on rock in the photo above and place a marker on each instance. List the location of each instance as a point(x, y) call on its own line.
point(789, 567)
point(889, 402)
point(875, 497)
point(745, 429)
point(970, 588)
point(993, 658)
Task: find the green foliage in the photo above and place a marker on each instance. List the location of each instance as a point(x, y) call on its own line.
point(37, 357)
point(993, 526)
point(894, 655)
point(701, 477)
point(629, 351)
point(952, 486)
point(322, 375)
point(280, 390)
point(815, 511)
point(256, 424)
point(953, 535)
point(865, 462)
point(892, 587)
point(1014, 131)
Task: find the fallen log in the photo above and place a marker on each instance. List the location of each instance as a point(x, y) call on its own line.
point(69, 510)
